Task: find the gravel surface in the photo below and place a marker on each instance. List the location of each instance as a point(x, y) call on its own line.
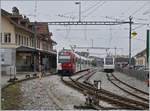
point(5, 78)
point(49, 93)
point(132, 81)
point(107, 85)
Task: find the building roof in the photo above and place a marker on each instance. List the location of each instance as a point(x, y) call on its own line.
point(140, 54)
point(29, 49)
point(43, 31)
point(9, 16)
point(41, 27)
point(4, 12)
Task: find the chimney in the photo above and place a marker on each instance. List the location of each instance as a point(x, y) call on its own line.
point(15, 11)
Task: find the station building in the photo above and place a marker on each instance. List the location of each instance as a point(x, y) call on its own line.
point(141, 58)
point(21, 48)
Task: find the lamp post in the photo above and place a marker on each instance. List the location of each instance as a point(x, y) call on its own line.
point(79, 3)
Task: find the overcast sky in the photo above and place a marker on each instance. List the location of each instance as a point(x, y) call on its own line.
point(103, 36)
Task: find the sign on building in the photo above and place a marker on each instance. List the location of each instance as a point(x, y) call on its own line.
point(7, 56)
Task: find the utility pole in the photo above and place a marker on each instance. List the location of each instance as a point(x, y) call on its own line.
point(115, 51)
point(107, 52)
point(34, 37)
point(34, 57)
point(79, 3)
point(130, 29)
point(92, 42)
point(147, 47)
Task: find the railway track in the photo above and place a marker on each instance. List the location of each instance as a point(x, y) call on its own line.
point(141, 95)
point(119, 101)
point(87, 76)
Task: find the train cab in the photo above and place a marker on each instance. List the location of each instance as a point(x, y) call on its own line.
point(109, 65)
point(70, 62)
point(66, 63)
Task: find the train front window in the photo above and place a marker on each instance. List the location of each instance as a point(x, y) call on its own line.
point(64, 59)
point(108, 61)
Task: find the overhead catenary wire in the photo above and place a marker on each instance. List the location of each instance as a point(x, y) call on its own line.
point(146, 12)
point(68, 31)
point(112, 18)
point(65, 15)
point(136, 11)
point(89, 29)
point(112, 29)
point(140, 19)
point(140, 26)
point(139, 39)
point(85, 32)
point(92, 11)
point(91, 7)
point(139, 9)
point(84, 11)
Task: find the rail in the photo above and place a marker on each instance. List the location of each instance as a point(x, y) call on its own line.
point(114, 80)
point(121, 102)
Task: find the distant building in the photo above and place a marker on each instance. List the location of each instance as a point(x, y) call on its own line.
point(123, 61)
point(96, 61)
point(20, 48)
point(122, 56)
point(141, 58)
point(99, 61)
point(85, 54)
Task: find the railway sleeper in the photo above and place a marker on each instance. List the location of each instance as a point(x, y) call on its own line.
point(126, 103)
point(118, 97)
point(113, 82)
point(123, 104)
point(137, 103)
point(132, 106)
point(142, 98)
point(126, 99)
point(130, 86)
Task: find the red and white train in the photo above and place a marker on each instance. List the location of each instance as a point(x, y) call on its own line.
point(69, 62)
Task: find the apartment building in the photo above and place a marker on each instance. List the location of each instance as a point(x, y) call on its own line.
point(21, 47)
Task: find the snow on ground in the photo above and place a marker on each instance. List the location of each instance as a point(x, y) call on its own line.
point(49, 93)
